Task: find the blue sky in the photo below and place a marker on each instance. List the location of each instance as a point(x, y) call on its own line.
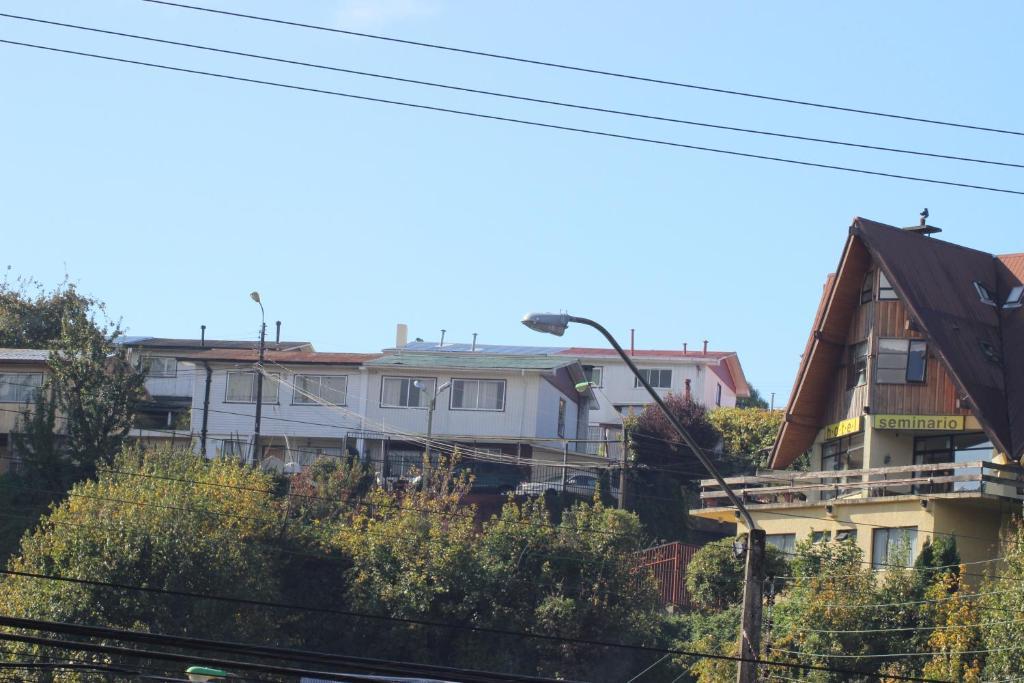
point(172, 196)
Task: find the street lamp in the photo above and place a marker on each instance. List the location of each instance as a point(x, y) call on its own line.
point(430, 408)
point(255, 296)
point(750, 630)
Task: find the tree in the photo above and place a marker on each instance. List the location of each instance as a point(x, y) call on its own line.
point(162, 519)
point(714, 576)
point(33, 318)
point(1001, 602)
point(748, 434)
point(755, 400)
point(664, 469)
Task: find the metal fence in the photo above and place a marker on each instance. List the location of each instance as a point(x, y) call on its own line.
point(668, 565)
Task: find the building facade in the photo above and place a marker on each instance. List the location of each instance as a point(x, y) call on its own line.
point(909, 404)
point(22, 372)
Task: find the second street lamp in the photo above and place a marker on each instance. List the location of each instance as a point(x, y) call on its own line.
point(750, 629)
point(430, 409)
point(255, 296)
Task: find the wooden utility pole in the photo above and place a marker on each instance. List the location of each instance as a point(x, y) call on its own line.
point(622, 471)
point(750, 628)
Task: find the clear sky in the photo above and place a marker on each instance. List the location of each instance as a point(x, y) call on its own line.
point(172, 196)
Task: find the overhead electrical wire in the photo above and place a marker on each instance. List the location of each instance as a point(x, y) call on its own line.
point(508, 119)
point(593, 71)
point(508, 96)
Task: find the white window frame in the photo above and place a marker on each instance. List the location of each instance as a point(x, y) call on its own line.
point(648, 373)
point(273, 379)
point(599, 370)
point(783, 542)
point(1015, 297)
point(428, 394)
point(451, 392)
point(25, 389)
point(886, 534)
point(300, 399)
point(148, 361)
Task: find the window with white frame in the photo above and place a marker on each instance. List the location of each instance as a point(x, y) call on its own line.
point(406, 392)
point(657, 377)
point(784, 542)
point(241, 387)
point(19, 387)
point(1015, 297)
point(893, 546)
point(161, 366)
point(320, 390)
point(478, 394)
point(594, 374)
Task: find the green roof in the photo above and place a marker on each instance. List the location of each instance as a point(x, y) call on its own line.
point(470, 361)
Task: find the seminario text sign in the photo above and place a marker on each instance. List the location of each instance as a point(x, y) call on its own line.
point(843, 428)
point(944, 423)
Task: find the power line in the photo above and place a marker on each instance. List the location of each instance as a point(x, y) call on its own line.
point(203, 644)
point(507, 119)
point(598, 72)
point(520, 98)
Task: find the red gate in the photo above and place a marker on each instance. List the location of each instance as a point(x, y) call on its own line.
point(668, 565)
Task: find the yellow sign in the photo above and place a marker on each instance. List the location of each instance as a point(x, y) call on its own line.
point(941, 423)
point(842, 428)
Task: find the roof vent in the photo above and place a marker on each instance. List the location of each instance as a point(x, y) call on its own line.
point(923, 228)
point(983, 294)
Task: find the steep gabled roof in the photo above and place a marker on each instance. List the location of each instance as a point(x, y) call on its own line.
point(935, 282)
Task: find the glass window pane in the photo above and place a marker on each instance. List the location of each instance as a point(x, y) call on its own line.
point(892, 360)
point(893, 345)
point(458, 393)
point(917, 361)
point(391, 392)
point(240, 387)
point(890, 376)
point(270, 385)
point(306, 389)
point(334, 389)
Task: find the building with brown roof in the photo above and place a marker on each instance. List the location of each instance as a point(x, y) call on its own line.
point(909, 403)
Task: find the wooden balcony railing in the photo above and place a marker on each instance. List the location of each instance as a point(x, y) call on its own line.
point(777, 486)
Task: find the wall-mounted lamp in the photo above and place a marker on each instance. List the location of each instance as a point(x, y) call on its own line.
point(829, 509)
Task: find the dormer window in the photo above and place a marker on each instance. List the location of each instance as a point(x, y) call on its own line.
point(885, 290)
point(901, 361)
point(983, 294)
point(1014, 299)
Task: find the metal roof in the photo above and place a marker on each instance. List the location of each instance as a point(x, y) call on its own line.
point(24, 355)
point(199, 344)
point(498, 349)
point(471, 361)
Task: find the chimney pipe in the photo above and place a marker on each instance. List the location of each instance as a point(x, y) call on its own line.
point(705, 347)
point(632, 341)
point(277, 337)
point(684, 347)
point(401, 335)
point(686, 391)
point(474, 342)
point(441, 345)
point(202, 336)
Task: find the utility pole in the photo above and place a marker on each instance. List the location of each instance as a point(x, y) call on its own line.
point(773, 402)
point(622, 471)
point(259, 398)
point(750, 632)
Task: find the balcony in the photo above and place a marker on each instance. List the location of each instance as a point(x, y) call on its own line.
point(946, 479)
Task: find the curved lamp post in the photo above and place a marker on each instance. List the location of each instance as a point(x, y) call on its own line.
point(750, 631)
point(255, 296)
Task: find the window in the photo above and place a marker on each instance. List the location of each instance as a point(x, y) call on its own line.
point(159, 366)
point(821, 536)
point(19, 387)
point(894, 546)
point(846, 453)
point(983, 294)
point(407, 392)
point(964, 447)
point(868, 288)
point(659, 379)
point(561, 417)
point(478, 394)
point(327, 388)
point(232, 448)
point(595, 374)
point(846, 535)
point(784, 542)
point(857, 368)
point(241, 387)
point(718, 394)
point(1014, 298)
point(885, 290)
point(901, 360)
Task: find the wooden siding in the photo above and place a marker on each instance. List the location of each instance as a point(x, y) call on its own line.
point(845, 403)
point(936, 396)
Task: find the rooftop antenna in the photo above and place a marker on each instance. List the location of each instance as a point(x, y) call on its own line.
point(922, 228)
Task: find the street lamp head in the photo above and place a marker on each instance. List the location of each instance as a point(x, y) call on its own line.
point(550, 323)
point(255, 296)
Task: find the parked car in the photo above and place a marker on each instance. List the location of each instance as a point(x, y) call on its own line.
point(581, 484)
point(494, 477)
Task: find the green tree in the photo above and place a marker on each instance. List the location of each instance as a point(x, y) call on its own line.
point(1001, 603)
point(664, 470)
point(33, 318)
point(714, 576)
point(755, 400)
point(148, 522)
point(747, 434)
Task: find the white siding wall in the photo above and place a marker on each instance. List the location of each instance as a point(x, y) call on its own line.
point(227, 420)
point(517, 419)
point(618, 381)
point(180, 385)
point(547, 415)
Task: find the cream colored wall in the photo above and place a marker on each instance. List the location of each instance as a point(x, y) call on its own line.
point(976, 524)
